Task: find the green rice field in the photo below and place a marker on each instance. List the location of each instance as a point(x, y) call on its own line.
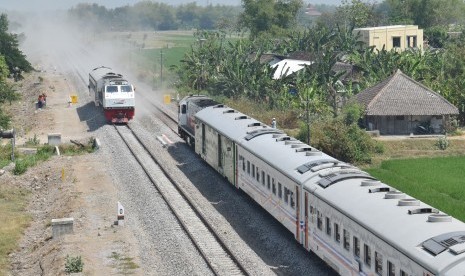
point(439, 181)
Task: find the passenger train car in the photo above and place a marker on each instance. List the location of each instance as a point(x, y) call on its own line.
point(355, 223)
point(114, 93)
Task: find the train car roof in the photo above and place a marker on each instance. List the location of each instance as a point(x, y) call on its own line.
point(415, 228)
point(200, 100)
point(286, 154)
point(339, 184)
point(104, 72)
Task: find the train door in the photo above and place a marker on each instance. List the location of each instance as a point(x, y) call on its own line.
point(182, 116)
point(299, 224)
point(220, 155)
point(306, 208)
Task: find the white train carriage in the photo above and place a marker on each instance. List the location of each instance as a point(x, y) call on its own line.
point(356, 224)
point(367, 227)
point(114, 93)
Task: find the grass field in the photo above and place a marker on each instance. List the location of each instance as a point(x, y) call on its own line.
point(14, 221)
point(438, 181)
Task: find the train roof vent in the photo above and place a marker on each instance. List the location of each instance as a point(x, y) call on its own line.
point(254, 124)
point(370, 182)
point(243, 117)
point(303, 149)
point(279, 135)
point(458, 248)
point(292, 141)
point(394, 195)
point(308, 166)
point(230, 111)
point(408, 202)
point(283, 138)
point(219, 106)
point(423, 211)
point(294, 146)
point(455, 241)
point(335, 177)
point(439, 218)
point(380, 190)
point(313, 153)
point(257, 132)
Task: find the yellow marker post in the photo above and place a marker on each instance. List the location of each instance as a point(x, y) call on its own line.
point(74, 99)
point(167, 99)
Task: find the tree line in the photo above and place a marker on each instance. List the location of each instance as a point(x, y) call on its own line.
point(13, 64)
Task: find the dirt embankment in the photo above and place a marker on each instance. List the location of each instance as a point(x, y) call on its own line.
point(65, 187)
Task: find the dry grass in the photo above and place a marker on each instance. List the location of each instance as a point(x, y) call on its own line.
point(405, 148)
point(12, 210)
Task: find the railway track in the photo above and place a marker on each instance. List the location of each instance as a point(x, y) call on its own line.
point(211, 247)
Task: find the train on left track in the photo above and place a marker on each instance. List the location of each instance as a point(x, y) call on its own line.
point(114, 93)
point(357, 224)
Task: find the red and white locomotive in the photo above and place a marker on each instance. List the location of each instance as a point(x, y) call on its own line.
point(114, 93)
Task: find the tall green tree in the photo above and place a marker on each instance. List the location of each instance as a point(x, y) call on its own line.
point(269, 16)
point(9, 49)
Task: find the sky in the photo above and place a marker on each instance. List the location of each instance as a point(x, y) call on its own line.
point(41, 5)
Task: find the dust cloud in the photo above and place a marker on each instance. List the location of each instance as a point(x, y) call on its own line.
point(55, 42)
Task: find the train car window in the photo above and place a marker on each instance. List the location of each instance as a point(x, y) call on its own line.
point(391, 268)
point(346, 240)
point(258, 175)
point(378, 263)
point(280, 192)
point(263, 178)
point(248, 167)
point(356, 247)
point(268, 181)
point(273, 186)
point(337, 233)
point(253, 170)
point(183, 109)
point(126, 88)
point(243, 163)
point(319, 222)
point(286, 194)
point(112, 88)
point(292, 200)
point(328, 226)
point(403, 273)
point(367, 255)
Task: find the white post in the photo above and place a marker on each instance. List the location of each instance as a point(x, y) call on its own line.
point(120, 214)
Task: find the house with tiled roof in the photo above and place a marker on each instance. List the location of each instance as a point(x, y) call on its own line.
point(400, 105)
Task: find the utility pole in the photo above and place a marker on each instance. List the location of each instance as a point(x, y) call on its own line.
point(161, 68)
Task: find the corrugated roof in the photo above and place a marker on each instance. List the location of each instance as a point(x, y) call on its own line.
point(401, 95)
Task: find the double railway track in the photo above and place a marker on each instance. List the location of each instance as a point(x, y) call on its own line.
point(210, 245)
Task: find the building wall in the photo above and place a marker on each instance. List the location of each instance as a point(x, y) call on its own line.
point(398, 37)
point(403, 125)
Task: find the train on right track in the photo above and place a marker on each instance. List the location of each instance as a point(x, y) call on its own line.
point(355, 223)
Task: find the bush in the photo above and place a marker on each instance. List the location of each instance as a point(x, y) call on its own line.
point(442, 143)
point(73, 264)
point(347, 143)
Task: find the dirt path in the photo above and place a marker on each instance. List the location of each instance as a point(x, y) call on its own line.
point(63, 187)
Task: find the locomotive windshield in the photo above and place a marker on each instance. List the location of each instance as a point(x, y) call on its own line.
point(112, 88)
point(126, 88)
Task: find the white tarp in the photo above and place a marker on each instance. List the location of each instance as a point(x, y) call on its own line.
point(288, 66)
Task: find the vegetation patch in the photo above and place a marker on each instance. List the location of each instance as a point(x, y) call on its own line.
point(437, 181)
point(122, 263)
point(73, 264)
point(13, 202)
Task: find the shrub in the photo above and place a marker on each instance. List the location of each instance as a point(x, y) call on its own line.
point(442, 143)
point(73, 264)
point(347, 143)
